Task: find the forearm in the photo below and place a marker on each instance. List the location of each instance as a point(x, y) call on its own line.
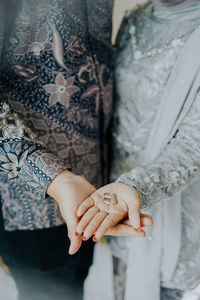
point(175, 168)
point(23, 157)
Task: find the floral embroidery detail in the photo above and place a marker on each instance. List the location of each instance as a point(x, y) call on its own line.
point(75, 47)
point(88, 68)
point(12, 127)
point(104, 88)
point(4, 110)
point(49, 163)
point(36, 41)
point(82, 154)
point(25, 72)
point(58, 50)
point(14, 163)
point(62, 90)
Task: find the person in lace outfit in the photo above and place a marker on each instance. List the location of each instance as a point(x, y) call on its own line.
point(149, 44)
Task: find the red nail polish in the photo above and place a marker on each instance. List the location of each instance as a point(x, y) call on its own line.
point(138, 229)
point(94, 239)
point(77, 234)
point(84, 238)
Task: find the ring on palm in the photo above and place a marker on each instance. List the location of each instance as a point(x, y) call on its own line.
point(110, 198)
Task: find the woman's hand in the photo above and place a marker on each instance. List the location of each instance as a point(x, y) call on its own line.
point(125, 228)
point(70, 190)
point(100, 218)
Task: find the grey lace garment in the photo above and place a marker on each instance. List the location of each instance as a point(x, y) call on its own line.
point(146, 52)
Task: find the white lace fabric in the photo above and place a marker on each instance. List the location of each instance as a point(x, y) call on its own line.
point(147, 51)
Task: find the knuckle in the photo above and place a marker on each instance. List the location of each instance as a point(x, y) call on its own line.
point(103, 228)
point(98, 217)
point(94, 209)
point(84, 206)
point(110, 220)
point(83, 222)
point(92, 226)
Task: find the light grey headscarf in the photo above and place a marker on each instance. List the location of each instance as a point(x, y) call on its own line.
point(167, 3)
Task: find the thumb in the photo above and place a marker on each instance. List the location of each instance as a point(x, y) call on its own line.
point(76, 241)
point(75, 245)
point(71, 220)
point(145, 221)
point(134, 213)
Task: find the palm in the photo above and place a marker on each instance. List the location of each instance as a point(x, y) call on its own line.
point(98, 217)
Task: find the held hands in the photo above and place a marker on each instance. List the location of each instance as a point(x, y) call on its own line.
point(77, 198)
point(99, 218)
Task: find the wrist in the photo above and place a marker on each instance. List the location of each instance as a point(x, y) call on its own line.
point(63, 178)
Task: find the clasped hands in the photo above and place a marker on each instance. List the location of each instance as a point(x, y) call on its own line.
point(86, 214)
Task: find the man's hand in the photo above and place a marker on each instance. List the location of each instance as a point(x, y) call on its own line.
point(69, 191)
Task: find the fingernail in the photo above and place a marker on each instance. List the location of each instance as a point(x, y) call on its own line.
point(77, 234)
point(84, 238)
point(94, 239)
point(138, 229)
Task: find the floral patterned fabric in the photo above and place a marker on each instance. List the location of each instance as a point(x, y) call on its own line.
point(55, 101)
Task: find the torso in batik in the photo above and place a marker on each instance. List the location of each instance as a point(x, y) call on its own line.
point(56, 74)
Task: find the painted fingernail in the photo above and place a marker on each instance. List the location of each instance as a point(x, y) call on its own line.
point(84, 238)
point(77, 234)
point(94, 239)
point(138, 229)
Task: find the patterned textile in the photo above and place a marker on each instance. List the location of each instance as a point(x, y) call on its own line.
point(55, 101)
point(149, 47)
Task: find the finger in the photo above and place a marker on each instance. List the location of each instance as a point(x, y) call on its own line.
point(125, 230)
point(134, 213)
point(86, 218)
point(108, 222)
point(145, 221)
point(89, 202)
point(94, 224)
point(75, 245)
point(71, 222)
point(76, 241)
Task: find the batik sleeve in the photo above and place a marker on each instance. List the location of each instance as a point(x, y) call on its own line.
point(22, 157)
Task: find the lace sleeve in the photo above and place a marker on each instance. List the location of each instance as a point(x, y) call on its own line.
point(177, 166)
point(22, 157)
